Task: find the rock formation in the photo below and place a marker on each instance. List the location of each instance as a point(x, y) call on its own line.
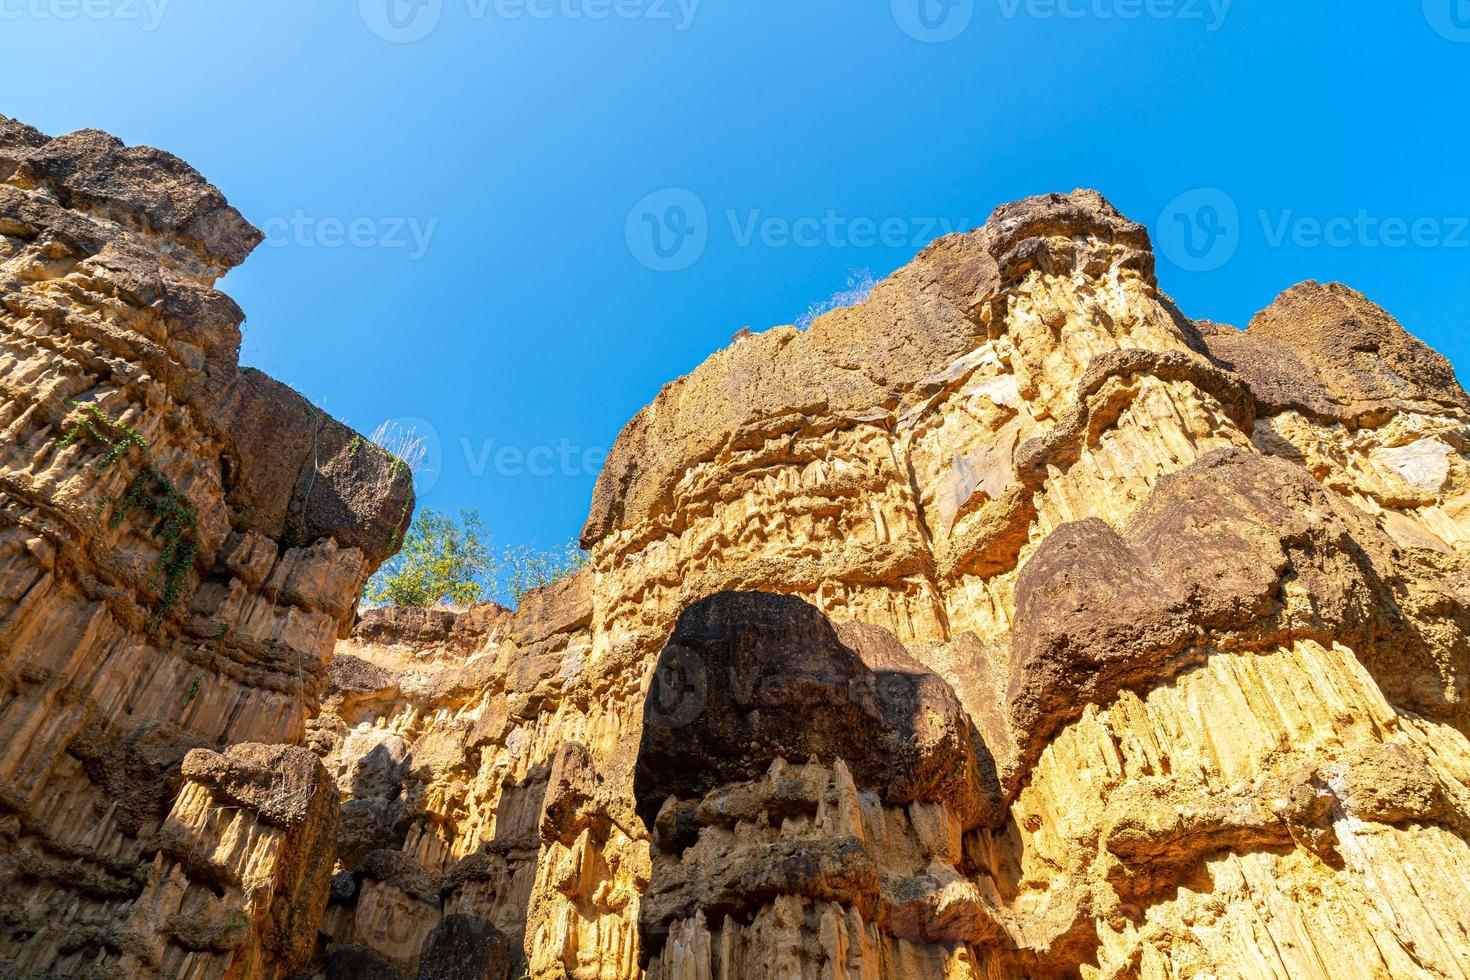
point(1007, 624)
point(181, 544)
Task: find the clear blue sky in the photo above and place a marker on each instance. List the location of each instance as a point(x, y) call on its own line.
point(516, 138)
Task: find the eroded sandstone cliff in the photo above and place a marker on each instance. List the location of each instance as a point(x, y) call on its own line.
point(1007, 624)
point(181, 543)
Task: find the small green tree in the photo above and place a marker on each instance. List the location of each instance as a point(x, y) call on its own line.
point(442, 561)
point(523, 569)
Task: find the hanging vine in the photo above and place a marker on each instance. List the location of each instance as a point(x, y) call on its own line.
point(150, 495)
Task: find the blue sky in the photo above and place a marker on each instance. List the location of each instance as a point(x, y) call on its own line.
point(462, 194)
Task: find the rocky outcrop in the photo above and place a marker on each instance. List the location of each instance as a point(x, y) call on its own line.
point(445, 784)
point(1009, 623)
point(181, 543)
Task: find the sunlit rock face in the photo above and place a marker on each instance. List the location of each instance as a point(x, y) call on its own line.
point(181, 544)
point(1007, 624)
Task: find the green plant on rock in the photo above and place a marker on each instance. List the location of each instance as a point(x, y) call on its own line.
point(150, 495)
point(91, 422)
point(153, 496)
point(193, 691)
point(443, 561)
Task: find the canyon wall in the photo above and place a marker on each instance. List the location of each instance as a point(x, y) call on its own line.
point(1006, 624)
point(1009, 623)
point(181, 544)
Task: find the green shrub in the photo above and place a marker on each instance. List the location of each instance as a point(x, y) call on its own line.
point(449, 562)
point(442, 561)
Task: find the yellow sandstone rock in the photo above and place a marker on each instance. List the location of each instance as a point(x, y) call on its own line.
point(1007, 624)
point(181, 543)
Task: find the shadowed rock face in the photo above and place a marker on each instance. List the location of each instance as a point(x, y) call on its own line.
point(748, 681)
point(301, 475)
point(749, 678)
point(1008, 623)
point(181, 542)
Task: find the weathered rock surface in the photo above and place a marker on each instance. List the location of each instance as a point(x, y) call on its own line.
point(181, 543)
point(1008, 624)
